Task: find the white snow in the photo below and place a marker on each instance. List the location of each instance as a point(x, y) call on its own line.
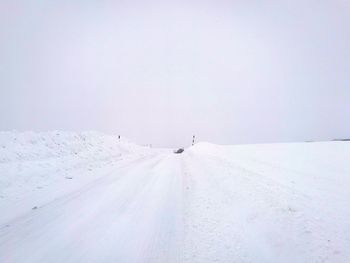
point(88, 197)
point(37, 167)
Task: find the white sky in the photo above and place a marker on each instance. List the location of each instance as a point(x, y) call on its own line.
point(159, 71)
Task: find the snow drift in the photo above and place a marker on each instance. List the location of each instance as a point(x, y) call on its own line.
point(29, 146)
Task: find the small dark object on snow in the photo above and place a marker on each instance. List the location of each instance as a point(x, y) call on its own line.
point(68, 177)
point(181, 150)
point(35, 207)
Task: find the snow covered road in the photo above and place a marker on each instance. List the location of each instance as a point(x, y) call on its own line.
point(132, 215)
point(253, 203)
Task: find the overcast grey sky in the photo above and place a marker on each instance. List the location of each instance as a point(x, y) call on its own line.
point(159, 71)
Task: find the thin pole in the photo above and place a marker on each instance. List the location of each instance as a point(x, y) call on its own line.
point(193, 139)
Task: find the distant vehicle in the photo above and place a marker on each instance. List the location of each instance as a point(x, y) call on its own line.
point(180, 150)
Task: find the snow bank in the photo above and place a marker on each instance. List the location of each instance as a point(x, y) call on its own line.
point(29, 146)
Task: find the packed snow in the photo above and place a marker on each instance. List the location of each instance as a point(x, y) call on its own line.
point(90, 197)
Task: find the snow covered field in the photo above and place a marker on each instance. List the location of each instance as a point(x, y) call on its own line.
point(88, 197)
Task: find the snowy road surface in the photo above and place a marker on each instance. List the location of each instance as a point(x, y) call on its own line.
point(253, 203)
point(133, 215)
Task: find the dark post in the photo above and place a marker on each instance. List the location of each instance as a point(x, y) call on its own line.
point(193, 140)
point(119, 137)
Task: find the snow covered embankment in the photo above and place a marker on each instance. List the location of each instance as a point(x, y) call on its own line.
point(38, 167)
